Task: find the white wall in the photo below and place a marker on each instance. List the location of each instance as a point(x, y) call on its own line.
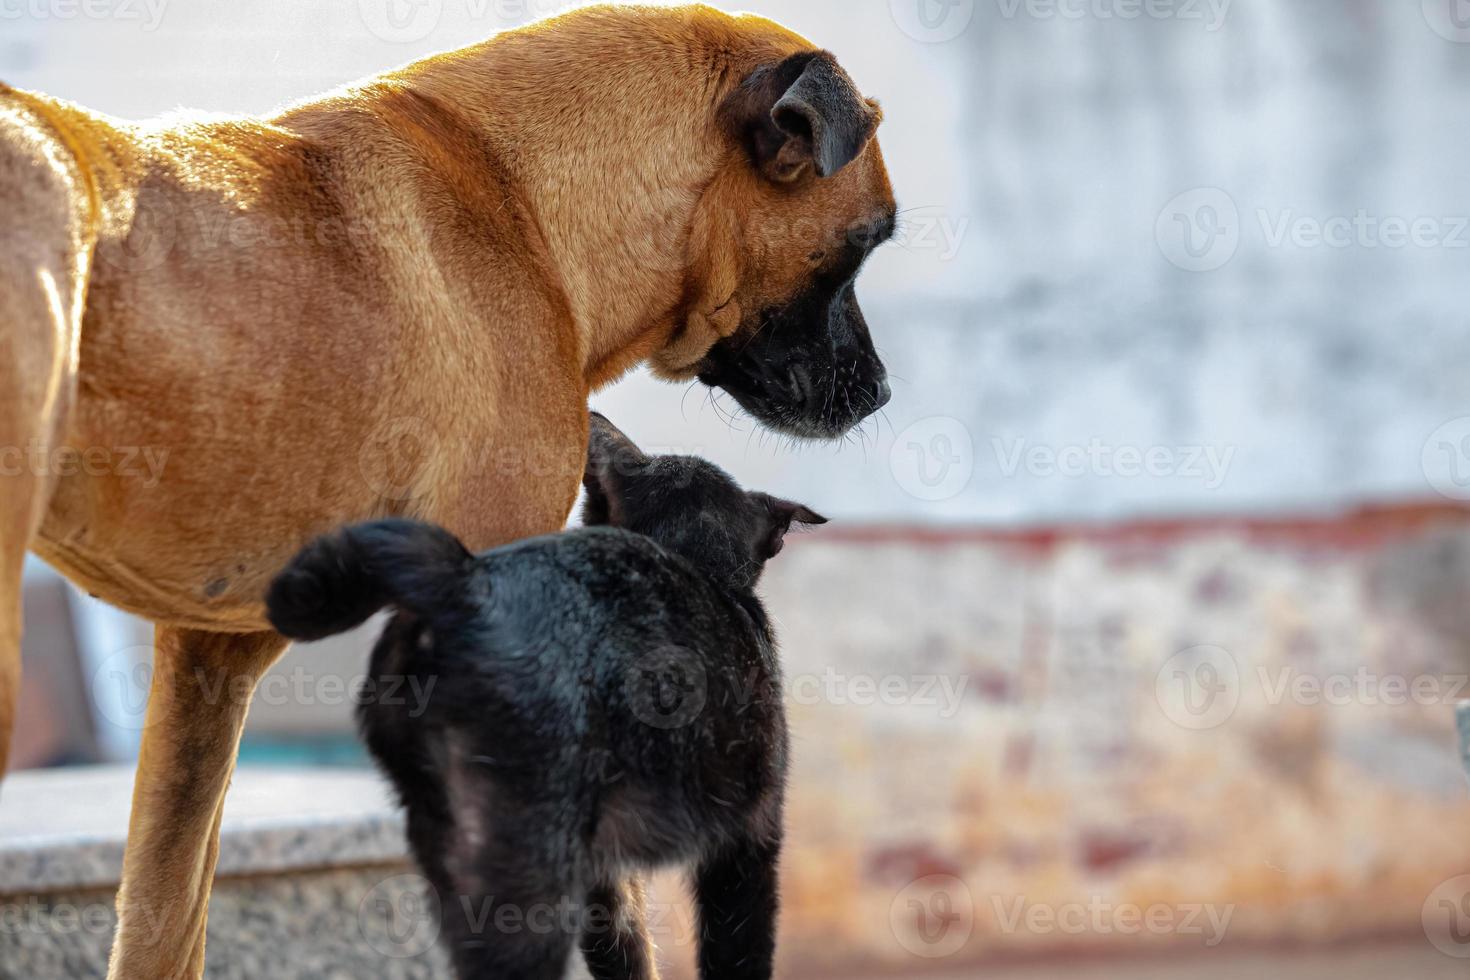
point(1046, 144)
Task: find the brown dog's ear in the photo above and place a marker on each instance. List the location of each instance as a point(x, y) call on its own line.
point(611, 458)
point(783, 514)
point(802, 112)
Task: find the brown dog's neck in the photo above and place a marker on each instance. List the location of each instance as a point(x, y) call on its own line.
point(603, 127)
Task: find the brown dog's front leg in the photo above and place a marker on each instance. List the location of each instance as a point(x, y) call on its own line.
point(202, 683)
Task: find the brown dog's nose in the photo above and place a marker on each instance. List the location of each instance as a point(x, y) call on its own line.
point(882, 395)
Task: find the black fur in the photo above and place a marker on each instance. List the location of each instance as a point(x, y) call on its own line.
point(606, 701)
point(340, 580)
point(803, 111)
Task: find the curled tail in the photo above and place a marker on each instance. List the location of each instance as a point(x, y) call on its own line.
point(338, 581)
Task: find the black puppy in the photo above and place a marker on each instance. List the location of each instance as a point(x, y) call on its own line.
point(606, 701)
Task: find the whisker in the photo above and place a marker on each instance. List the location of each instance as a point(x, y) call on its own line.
point(683, 413)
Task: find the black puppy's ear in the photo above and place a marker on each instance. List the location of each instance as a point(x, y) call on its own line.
point(804, 112)
point(782, 515)
point(611, 458)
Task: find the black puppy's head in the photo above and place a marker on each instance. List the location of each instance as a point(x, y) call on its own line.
point(688, 505)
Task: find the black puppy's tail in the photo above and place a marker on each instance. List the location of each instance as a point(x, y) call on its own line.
point(338, 581)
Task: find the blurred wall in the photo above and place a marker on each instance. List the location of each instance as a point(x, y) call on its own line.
point(1043, 311)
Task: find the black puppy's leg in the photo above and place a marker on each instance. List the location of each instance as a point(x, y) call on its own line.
point(512, 925)
point(504, 883)
point(615, 938)
point(739, 900)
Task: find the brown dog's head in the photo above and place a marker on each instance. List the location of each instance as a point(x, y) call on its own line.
point(778, 241)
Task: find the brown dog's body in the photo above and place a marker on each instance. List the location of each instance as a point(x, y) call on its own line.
point(394, 300)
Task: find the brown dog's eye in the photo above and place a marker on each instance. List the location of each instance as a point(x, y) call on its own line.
point(817, 256)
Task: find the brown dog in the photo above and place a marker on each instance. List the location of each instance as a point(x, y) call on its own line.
point(395, 299)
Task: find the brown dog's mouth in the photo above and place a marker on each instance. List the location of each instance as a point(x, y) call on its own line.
point(798, 399)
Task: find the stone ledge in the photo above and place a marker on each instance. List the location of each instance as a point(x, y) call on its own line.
point(64, 830)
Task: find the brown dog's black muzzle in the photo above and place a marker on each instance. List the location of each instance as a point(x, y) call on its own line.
point(803, 371)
